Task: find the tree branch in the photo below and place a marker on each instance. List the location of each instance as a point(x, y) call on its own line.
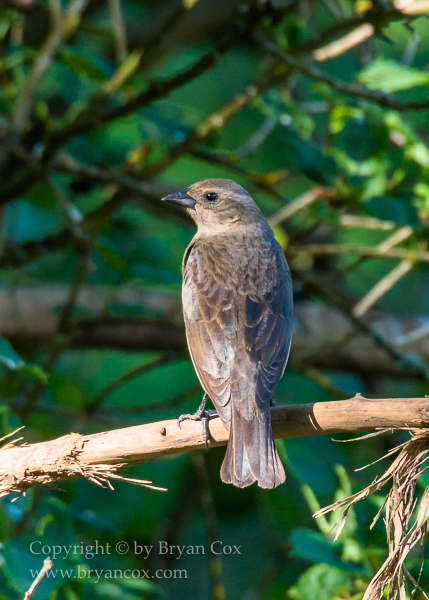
point(91, 118)
point(64, 26)
point(16, 257)
point(98, 456)
point(378, 19)
point(363, 93)
point(364, 251)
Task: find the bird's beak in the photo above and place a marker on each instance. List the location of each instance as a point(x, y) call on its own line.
point(182, 198)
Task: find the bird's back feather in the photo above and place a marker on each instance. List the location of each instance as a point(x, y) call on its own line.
point(237, 299)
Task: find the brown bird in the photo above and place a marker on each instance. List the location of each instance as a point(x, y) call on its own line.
point(237, 303)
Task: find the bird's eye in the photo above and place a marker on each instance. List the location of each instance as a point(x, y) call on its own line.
point(211, 196)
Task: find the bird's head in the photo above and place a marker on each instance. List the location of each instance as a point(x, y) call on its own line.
point(218, 206)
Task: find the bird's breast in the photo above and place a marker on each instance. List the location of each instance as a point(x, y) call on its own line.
point(239, 265)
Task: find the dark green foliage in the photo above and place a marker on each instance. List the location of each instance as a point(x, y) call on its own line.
point(88, 146)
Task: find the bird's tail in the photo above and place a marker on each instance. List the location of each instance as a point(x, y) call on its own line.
point(251, 454)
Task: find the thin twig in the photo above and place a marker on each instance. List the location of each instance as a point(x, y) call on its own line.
point(65, 324)
point(383, 16)
point(123, 379)
point(411, 363)
point(47, 566)
point(365, 251)
point(364, 222)
point(351, 40)
point(216, 567)
point(396, 238)
point(413, 336)
point(72, 213)
point(382, 287)
point(296, 205)
point(63, 26)
point(257, 138)
point(391, 279)
point(91, 118)
point(118, 29)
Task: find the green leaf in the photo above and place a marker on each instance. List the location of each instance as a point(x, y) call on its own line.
point(341, 114)
point(12, 361)
point(321, 582)
point(390, 76)
point(418, 152)
point(81, 65)
point(302, 458)
point(393, 208)
point(112, 259)
point(315, 547)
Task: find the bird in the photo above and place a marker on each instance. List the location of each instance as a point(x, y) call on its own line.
point(237, 305)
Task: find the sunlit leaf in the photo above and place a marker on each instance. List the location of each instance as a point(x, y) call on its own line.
point(391, 76)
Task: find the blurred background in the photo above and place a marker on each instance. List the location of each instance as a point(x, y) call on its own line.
point(319, 109)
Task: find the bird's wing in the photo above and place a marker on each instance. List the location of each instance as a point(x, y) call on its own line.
point(251, 454)
point(232, 357)
point(268, 328)
point(210, 313)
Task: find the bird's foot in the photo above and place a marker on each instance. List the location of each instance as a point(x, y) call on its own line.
point(273, 402)
point(202, 415)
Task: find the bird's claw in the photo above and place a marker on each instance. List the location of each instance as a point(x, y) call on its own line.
point(202, 416)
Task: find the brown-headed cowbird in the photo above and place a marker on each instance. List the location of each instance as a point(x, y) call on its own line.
point(237, 303)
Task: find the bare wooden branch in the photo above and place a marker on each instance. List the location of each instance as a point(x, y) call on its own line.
point(98, 456)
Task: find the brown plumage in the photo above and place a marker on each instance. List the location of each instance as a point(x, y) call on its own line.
point(237, 303)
